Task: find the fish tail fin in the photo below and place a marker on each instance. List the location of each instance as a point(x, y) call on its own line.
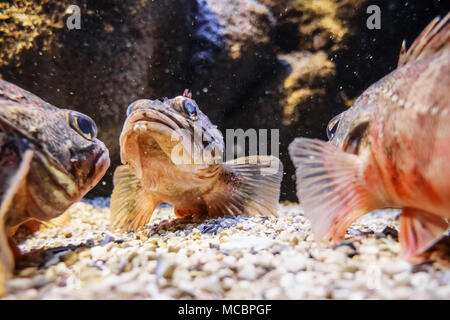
point(131, 205)
point(434, 38)
point(257, 190)
point(330, 188)
point(419, 230)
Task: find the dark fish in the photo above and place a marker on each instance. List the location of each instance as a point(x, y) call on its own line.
point(49, 158)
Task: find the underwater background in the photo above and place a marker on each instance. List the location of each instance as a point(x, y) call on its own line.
point(274, 64)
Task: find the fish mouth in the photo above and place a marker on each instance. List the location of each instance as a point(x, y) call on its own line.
point(101, 164)
point(155, 120)
point(162, 128)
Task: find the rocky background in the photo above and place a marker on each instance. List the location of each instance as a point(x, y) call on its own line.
point(281, 64)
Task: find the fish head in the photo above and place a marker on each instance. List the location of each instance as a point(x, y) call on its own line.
point(84, 156)
point(173, 131)
point(349, 129)
point(68, 144)
point(68, 159)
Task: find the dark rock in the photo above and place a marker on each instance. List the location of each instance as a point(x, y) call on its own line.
point(345, 244)
point(388, 231)
point(351, 251)
point(358, 234)
point(422, 267)
point(108, 238)
point(214, 226)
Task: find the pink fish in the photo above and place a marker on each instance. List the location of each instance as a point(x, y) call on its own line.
point(390, 149)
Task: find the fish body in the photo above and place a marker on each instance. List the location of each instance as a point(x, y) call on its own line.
point(49, 158)
point(390, 149)
point(172, 153)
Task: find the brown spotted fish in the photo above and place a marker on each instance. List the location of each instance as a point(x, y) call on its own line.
point(49, 158)
point(390, 149)
point(171, 153)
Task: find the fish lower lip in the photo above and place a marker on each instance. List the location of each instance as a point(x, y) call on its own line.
point(102, 164)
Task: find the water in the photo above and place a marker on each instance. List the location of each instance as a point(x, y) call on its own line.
point(251, 64)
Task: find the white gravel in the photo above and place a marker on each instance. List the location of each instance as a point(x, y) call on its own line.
point(227, 258)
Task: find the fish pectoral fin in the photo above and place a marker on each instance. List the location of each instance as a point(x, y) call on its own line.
point(15, 184)
point(256, 189)
point(131, 205)
point(329, 187)
point(419, 230)
point(59, 221)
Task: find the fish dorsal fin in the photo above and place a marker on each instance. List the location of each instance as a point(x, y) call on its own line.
point(131, 205)
point(434, 38)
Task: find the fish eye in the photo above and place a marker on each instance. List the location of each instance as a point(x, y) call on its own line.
point(83, 124)
point(333, 126)
point(190, 109)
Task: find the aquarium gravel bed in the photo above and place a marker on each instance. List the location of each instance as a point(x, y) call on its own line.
point(227, 258)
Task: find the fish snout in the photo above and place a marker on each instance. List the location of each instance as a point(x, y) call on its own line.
point(100, 163)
